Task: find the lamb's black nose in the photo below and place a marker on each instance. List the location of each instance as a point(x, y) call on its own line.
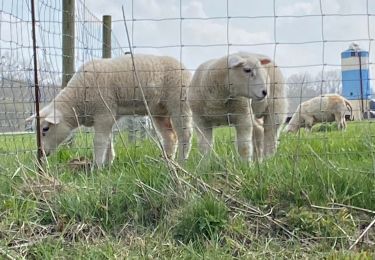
point(264, 92)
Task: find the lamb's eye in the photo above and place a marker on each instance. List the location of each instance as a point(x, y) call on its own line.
point(247, 70)
point(45, 129)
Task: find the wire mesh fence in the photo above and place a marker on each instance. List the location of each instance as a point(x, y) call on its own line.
point(182, 33)
point(229, 102)
point(17, 80)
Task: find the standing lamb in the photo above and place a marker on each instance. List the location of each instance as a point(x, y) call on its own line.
point(104, 90)
point(326, 108)
point(272, 111)
point(230, 91)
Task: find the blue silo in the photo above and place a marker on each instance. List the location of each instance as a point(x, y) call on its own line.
point(355, 74)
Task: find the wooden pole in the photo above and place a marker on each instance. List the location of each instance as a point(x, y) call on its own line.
point(107, 30)
point(67, 41)
point(36, 88)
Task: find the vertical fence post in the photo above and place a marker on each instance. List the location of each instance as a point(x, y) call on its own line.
point(107, 30)
point(67, 41)
point(36, 88)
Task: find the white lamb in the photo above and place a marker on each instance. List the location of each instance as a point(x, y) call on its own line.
point(230, 91)
point(107, 89)
point(326, 108)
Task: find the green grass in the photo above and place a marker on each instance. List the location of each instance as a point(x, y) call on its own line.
point(139, 208)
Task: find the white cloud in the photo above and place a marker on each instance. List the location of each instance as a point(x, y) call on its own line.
point(194, 9)
point(298, 8)
point(344, 6)
point(154, 9)
point(246, 31)
point(215, 32)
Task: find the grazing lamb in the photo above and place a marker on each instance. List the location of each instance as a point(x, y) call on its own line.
point(326, 108)
point(230, 91)
point(107, 89)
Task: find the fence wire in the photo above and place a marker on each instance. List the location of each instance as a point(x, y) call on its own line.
point(315, 192)
point(192, 32)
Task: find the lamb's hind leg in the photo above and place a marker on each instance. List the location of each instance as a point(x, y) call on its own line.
point(340, 120)
point(182, 122)
point(164, 127)
point(343, 121)
point(274, 117)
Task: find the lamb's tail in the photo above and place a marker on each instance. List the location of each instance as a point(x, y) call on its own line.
point(350, 108)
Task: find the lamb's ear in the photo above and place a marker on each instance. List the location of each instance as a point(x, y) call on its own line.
point(235, 61)
point(30, 118)
point(52, 115)
point(265, 61)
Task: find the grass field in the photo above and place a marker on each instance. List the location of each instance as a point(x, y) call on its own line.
point(313, 199)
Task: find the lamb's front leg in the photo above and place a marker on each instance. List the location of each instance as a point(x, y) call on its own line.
point(271, 133)
point(165, 129)
point(182, 121)
point(103, 142)
point(244, 130)
point(184, 130)
point(258, 140)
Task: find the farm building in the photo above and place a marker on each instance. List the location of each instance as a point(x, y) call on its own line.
point(355, 79)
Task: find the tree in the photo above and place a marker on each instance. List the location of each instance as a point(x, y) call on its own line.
point(301, 87)
point(329, 81)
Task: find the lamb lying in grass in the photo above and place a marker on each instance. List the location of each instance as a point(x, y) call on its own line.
point(104, 90)
point(326, 108)
point(229, 91)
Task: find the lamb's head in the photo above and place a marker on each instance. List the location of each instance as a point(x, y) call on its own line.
point(294, 125)
point(247, 76)
point(54, 130)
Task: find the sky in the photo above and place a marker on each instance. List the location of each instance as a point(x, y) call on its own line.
point(301, 35)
